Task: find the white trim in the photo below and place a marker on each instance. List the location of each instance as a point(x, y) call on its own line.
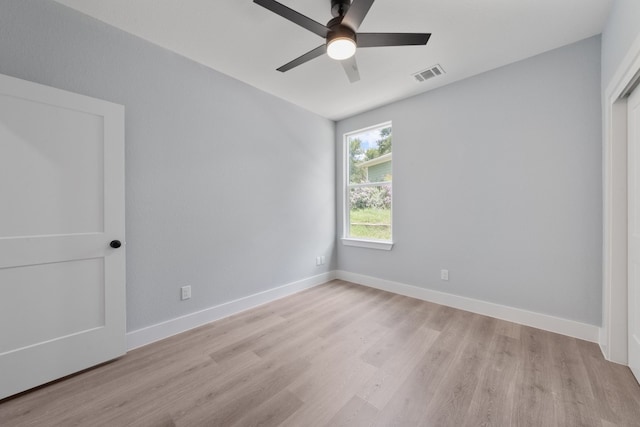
point(613, 334)
point(523, 317)
point(159, 331)
point(370, 184)
point(369, 244)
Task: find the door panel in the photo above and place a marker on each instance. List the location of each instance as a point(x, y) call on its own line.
point(39, 293)
point(62, 201)
point(61, 189)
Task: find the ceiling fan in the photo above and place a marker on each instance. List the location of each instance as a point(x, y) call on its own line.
point(341, 34)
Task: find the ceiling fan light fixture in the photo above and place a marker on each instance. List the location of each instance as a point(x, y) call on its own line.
point(341, 48)
point(341, 43)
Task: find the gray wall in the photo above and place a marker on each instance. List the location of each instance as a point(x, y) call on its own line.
point(228, 189)
point(497, 178)
point(621, 29)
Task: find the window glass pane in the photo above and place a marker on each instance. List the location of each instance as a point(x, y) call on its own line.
point(369, 155)
point(370, 212)
point(369, 165)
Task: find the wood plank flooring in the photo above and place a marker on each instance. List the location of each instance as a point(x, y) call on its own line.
point(345, 355)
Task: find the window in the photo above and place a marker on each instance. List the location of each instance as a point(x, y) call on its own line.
point(368, 189)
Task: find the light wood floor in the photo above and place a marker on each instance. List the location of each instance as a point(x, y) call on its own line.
point(345, 355)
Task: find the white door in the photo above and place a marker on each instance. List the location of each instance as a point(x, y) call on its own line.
point(62, 285)
point(633, 123)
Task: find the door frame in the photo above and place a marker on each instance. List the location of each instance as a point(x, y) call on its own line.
point(614, 330)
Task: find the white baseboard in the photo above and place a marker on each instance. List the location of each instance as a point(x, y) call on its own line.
point(558, 325)
point(144, 336)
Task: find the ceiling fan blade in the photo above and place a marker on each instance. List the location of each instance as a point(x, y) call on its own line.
point(351, 68)
point(356, 13)
point(320, 50)
point(295, 17)
point(391, 39)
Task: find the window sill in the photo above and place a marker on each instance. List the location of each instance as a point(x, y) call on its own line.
point(370, 244)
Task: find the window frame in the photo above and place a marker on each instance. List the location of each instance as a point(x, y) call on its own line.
point(346, 239)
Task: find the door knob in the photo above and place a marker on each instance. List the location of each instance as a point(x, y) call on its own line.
point(115, 244)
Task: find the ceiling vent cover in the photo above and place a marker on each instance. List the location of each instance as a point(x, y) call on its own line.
point(424, 75)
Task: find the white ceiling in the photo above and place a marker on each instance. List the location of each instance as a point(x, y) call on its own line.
point(248, 42)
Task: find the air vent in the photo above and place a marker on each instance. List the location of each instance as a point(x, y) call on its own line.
point(424, 75)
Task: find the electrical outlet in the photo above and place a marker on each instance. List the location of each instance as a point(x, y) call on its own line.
point(185, 292)
point(322, 260)
point(444, 274)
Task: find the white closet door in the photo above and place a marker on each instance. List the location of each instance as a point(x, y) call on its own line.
point(62, 285)
point(633, 124)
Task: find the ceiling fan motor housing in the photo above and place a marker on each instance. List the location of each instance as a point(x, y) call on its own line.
point(339, 31)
